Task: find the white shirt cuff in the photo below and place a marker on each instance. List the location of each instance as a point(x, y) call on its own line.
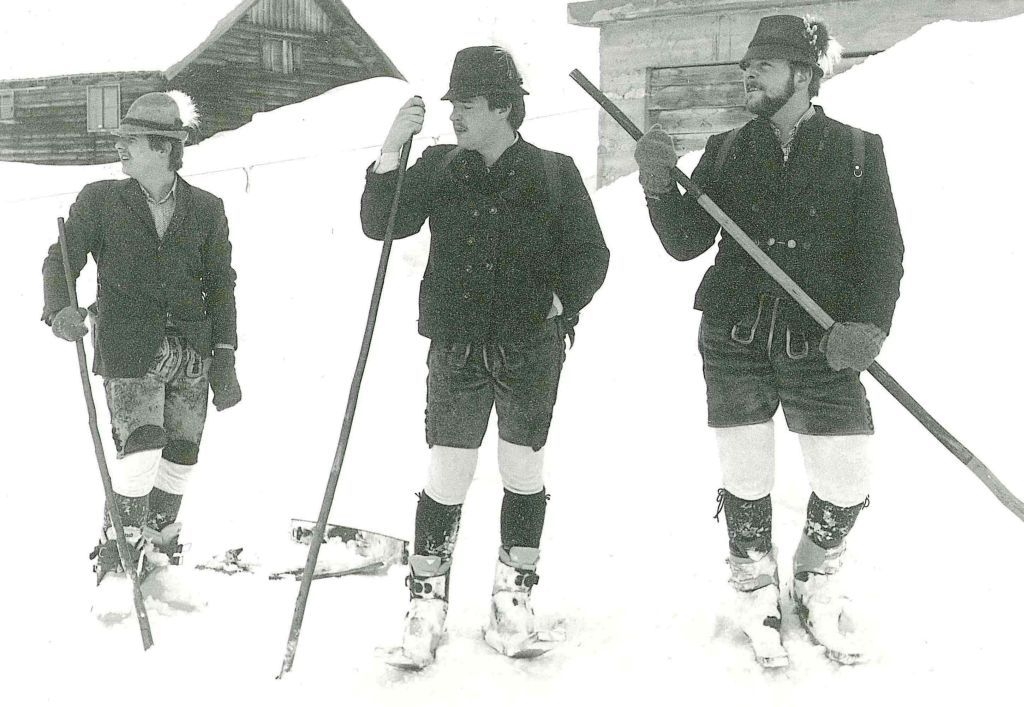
point(387, 162)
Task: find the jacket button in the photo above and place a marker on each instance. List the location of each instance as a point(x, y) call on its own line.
point(492, 210)
point(791, 243)
point(771, 241)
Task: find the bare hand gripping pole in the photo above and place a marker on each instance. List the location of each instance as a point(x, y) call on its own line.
point(97, 443)
point(950, 442)
point(317, 538)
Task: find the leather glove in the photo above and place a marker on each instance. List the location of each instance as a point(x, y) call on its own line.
point(407, 123)
point(851, 345)
point(69, 323)
point(655, 156)
point(223, 381)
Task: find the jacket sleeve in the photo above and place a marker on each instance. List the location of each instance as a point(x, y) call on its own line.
point(877, 263)
point(685, 229)
point(83, 237)
point(413, 205)
point(219, 280)
point(583, 255)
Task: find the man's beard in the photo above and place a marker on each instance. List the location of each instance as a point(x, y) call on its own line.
point(767, 106)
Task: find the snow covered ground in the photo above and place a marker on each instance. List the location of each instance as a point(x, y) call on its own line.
point(632, 558)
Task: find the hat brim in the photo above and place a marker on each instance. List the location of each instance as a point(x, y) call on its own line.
point(778, 51)
point(129, 130)
point(465, 93)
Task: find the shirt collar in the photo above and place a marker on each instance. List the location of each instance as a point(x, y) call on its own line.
point(786, 141)
point(170, 193)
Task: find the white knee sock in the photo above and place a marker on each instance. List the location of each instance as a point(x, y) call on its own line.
point(747, 458)
point(133, 474)
point(450, 472)
point(173, 477)
point(521, 468)
point(838, 467)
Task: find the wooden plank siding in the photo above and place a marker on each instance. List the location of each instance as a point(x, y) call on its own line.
point(49, 125)
point(692, 103)
point(229, 83)
point(291, 16)
point(227, 75)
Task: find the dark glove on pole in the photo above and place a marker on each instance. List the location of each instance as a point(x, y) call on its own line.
point(852, 345)
point(655, 156)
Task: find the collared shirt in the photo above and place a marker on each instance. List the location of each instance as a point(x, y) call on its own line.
point(786, 142)
point(162, 210)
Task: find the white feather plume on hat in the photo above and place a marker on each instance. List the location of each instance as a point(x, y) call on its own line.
point(826, 47)
point(186, 108)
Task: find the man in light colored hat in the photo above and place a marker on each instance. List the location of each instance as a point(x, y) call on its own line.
point(814, 195)
point(163, 326)
point(515, 253)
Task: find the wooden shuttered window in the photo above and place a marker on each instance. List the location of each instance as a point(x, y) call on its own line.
point(282, 56)
point(6, 104)
point(103, 107)
point(694, 102)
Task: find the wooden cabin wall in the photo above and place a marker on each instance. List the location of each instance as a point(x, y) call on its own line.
point(229, 83)
point(50, 126)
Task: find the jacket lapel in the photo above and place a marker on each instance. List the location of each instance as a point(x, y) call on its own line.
point(805, 160)
point(182, 204)
point(131, 194)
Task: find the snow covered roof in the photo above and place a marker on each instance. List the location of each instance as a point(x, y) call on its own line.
point(65, 37)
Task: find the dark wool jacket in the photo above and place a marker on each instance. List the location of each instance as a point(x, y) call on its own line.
point(499, 245)
point(145, 283)
point(836, 236)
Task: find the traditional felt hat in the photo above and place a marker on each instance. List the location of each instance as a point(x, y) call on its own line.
point(480, 71)
point(159, 114)
point(797, 39)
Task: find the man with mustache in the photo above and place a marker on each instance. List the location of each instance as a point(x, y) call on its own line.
point(515, 253)
point(163, 328)
point(814, 195)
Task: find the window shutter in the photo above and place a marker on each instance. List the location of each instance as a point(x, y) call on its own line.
point(6, 105)
point(111, 107)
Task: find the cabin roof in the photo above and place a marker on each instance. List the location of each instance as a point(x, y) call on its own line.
point(49, 38)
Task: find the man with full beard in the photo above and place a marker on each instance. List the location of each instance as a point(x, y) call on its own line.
point(814, 195)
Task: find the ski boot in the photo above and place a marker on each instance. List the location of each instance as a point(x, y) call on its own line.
point(166, 580)
point(821, 604)
point(114, 599)
point(757, 606)
point(512, 629)
point(428, 608)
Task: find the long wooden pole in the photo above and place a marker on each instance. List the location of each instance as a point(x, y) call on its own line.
point(317, 537)
point(947, 440)
point(101, 460)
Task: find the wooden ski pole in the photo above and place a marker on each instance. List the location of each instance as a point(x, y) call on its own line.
point(998, 489)
point(101, 460)
point(317, 537)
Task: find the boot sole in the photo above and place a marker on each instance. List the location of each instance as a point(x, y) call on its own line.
point(397, 658)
